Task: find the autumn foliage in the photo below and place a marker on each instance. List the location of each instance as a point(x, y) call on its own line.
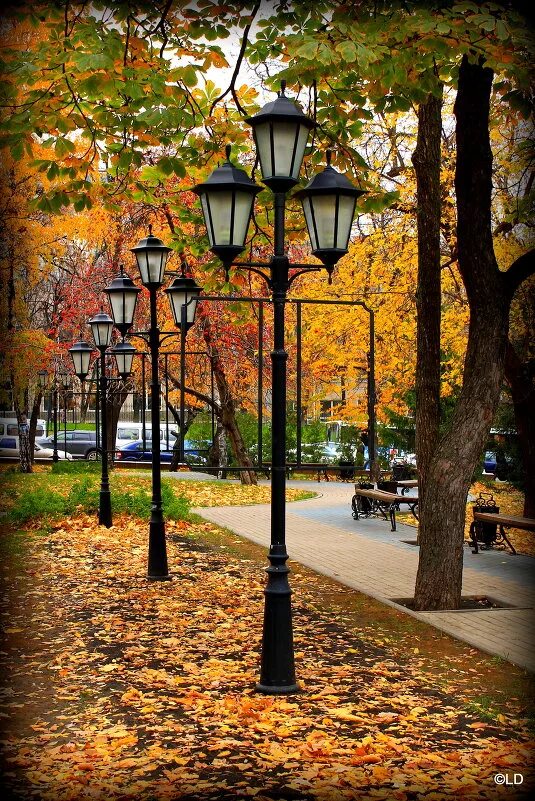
point(122, 688)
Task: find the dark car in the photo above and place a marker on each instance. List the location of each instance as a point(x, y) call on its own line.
point(82, 444)
point(497, 463)
point(139, 451)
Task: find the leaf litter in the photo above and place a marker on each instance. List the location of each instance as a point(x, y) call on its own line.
point(120, 688)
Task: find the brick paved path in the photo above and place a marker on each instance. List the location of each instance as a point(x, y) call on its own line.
point(367, 556)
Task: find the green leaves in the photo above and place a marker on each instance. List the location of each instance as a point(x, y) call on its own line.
point(347, 50)
point(63, 146)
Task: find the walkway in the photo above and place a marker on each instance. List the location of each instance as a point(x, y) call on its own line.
point(367, 556)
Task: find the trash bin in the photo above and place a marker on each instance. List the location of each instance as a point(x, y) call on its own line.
point(486, 533)
point(347, 470)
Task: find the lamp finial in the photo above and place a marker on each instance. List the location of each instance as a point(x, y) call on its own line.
point(329, 154)
point(283, 88)
point(228, 148)
point(150, 229)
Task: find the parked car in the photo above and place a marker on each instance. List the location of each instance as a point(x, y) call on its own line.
point(138, 451)
point(9, 446)
point(129, 432)
point(497, 464)
point(9, 427)
point(328, 452)
point(81, 444)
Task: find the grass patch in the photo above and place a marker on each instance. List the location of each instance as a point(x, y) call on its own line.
point(76, 467)
point(47, 501)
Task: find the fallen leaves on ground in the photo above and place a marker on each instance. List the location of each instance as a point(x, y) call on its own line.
point(120, 688)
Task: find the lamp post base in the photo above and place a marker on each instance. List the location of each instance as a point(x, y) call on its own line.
point(277, 675)
point(104, 509)
point(268, 689)
point(158, 569)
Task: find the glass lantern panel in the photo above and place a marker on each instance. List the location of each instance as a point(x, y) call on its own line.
point(124, 361)
point(207, 218)
point(101, 334)
point(289, 141)
point(179, 299)
point(346, 212)
point(220, 211)
point(324, 210)
point(83, 360)
point(242, 215)
point(151, 264)
point(262, 134)
point(309, 219)
point(123, 307)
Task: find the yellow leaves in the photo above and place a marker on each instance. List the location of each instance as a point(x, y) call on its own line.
point(160, 703)
point(345, 713)
point(107, 668)
point(417, 710)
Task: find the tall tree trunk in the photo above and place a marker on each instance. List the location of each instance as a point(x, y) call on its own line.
point(33, 421)
point(439, 577)
point(520, 377)
point(426, 160)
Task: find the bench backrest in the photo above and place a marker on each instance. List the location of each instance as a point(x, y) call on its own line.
point(378, 495)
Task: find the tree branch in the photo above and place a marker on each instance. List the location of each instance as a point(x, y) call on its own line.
point(519, 270)
point(241, 54)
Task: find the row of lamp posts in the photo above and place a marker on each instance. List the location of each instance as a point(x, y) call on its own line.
point(151, 255)
point(58, 380)
point(280, 131)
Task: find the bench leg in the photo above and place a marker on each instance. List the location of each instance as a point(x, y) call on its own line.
point(392, 512)
point(354, 508)
point(506, 538)
point(473, 536)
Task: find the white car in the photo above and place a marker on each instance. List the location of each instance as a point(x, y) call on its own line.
point(9, 446)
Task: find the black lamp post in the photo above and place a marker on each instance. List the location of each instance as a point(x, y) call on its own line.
point(64, 380)
point(151, 256)
point(55, 456)
point(53, 397)
point(102, 326)
point(280, 131)
point(183, 295)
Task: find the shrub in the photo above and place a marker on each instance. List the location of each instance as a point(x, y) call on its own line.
point(40, 503)
point(83, 496)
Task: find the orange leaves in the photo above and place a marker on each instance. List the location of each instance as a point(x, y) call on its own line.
point(148, 688)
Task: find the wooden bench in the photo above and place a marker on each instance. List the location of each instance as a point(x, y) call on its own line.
point(331, 471)
point(488, 529)
point(381, 503)
point(405, 486)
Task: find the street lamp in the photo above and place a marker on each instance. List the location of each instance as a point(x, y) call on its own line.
point(81, 356)
point(65, 382)
point(280, 131)
point(43, 383)
point(101, 328)
point(183, 295)
point(151, 257)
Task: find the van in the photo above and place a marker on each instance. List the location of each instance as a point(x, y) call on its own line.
point(9, 427)
point(128, 432)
